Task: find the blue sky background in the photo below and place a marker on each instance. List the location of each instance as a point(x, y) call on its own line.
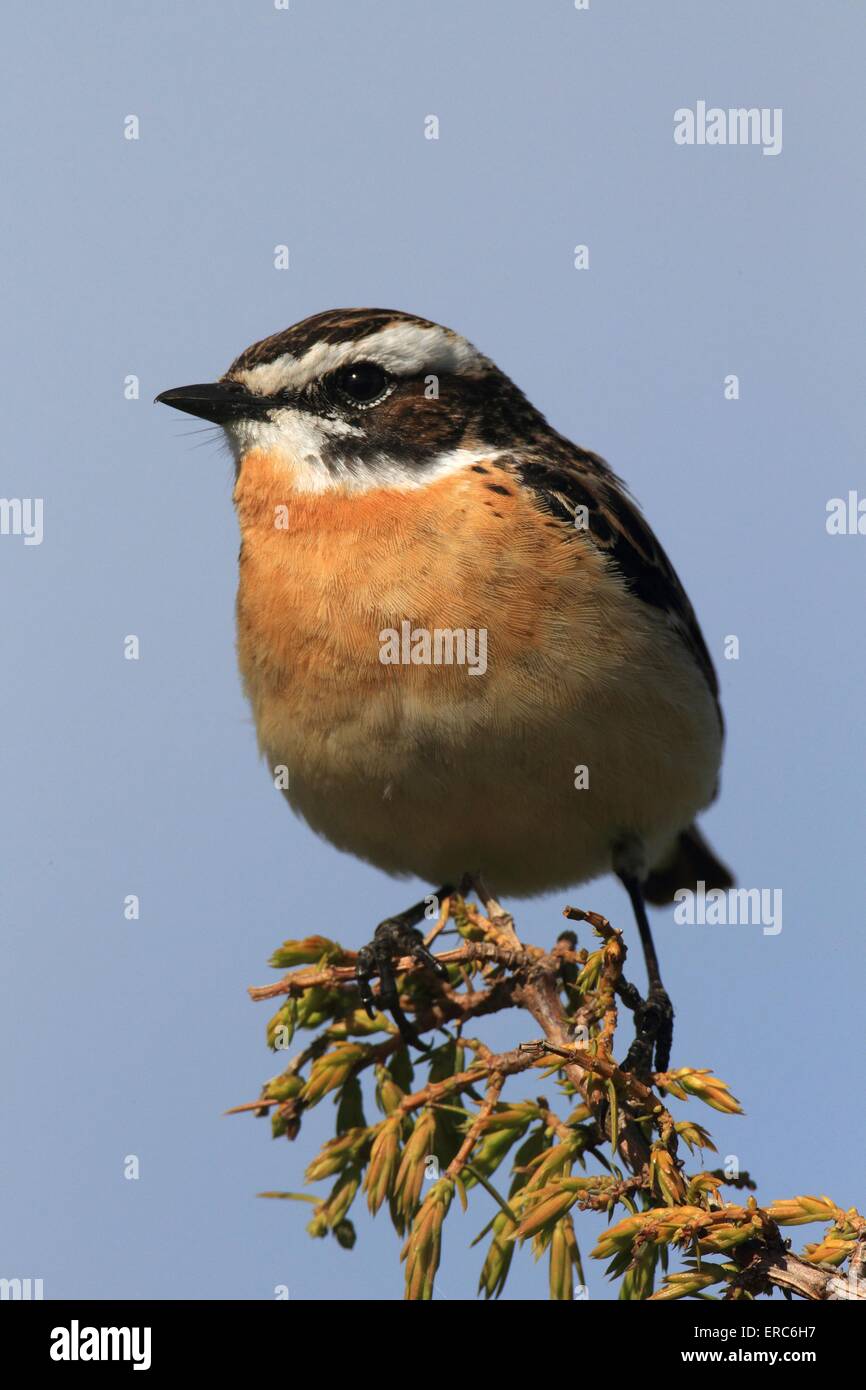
point(155, 257)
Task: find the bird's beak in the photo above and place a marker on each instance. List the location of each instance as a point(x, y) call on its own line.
point(219, 401)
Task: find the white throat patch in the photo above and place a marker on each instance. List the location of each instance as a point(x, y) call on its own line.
point(294, 441)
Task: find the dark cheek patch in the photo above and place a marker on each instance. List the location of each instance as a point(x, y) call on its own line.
point(407, 426)
point(411, 421)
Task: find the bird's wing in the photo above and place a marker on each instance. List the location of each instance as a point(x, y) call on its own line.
point(566, 478)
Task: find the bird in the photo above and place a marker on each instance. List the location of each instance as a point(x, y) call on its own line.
point(458, 634)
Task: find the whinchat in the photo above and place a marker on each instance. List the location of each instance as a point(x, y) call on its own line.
point(402, 505)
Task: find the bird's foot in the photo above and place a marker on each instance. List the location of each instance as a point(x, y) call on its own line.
point(392, 939)
point(654, 1034)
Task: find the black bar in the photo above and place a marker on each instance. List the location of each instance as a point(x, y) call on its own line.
point(259, 1337)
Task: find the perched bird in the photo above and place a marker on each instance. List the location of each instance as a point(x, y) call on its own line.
point(458, 633)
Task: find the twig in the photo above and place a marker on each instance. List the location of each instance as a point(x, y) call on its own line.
point(476, 1129)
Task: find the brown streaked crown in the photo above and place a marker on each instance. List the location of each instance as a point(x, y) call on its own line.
point(331, 326)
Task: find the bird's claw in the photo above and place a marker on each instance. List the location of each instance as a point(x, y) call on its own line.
point(393, 939)
point(654, 1031)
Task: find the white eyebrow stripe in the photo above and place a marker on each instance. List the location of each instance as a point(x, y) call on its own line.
point(403, 349)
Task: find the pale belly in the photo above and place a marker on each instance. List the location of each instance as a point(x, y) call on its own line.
point(530, 785)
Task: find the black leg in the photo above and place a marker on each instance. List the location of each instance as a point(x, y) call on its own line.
point(654, 1016)
point(395, 937)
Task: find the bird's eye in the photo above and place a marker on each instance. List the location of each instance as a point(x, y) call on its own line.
point(362, 384)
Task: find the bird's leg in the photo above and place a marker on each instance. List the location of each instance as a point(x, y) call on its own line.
point(395, 937)
point(653, 1016)
point(500, 920)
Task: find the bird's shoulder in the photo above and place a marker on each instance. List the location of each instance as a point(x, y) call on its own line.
point(578, 488)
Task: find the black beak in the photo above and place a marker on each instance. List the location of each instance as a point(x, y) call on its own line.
point(219, 401)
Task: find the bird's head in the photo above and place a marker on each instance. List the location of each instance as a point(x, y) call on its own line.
point(361, 398)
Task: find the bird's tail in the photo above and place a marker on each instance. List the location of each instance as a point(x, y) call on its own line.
point(692, 861)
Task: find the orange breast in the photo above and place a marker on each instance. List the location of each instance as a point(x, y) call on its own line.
point(323, 575)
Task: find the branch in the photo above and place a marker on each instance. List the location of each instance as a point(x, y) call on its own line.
point(572, 994)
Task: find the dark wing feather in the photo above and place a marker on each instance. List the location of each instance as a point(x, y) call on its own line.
point(566, 478)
